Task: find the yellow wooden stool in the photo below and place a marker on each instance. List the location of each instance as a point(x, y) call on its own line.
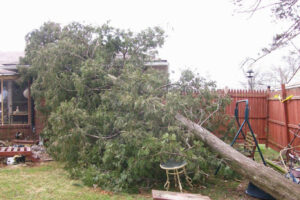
point(175, 168)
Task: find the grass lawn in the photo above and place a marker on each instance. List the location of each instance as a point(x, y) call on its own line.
point(267, 153)
point(46, 181)
point(49, 181)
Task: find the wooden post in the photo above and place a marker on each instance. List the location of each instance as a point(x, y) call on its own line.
point(267, 115)
point(263, 177)
point(286, 116)
point(29, 106)
point(2, 104)
point(9, 98)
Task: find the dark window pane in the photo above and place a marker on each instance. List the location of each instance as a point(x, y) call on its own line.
point(15, 105)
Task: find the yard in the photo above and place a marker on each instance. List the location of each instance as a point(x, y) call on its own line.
point(50, 181)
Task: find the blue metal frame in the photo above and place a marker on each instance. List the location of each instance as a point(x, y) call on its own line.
point(246, 120)
point(252, 190)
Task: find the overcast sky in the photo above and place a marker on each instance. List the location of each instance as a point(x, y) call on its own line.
point(205, 36)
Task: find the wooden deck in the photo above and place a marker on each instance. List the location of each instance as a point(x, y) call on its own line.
point(12, 151)
point(165, 195)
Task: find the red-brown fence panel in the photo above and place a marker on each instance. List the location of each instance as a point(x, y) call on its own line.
point(272, 119)
point(257, 110)
point(284, 117)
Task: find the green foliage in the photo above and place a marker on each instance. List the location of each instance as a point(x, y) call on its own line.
point(110, 119)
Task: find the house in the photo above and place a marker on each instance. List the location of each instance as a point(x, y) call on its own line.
point(17, 113)
point(161, 65)
point(16, 110)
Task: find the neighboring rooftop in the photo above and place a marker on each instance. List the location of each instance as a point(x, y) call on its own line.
point(4, 72)
point(8, 63)
point(8, 70)
point(157, 63)
point(162, 65)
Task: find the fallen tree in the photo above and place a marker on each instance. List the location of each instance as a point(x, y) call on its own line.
point(110, 119)
point(263, 177)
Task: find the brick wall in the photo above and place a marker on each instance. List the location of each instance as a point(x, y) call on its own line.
point(8, 132)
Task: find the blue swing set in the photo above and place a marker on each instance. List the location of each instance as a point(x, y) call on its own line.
point(251, 190)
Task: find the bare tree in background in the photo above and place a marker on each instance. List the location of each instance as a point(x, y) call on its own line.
point(259, 81)
point(287, 11)
point(274, 77)
point(284, 74)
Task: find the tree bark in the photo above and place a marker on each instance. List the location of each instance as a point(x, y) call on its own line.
point(263, 177)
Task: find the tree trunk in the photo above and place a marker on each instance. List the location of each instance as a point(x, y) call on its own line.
point(263, 177)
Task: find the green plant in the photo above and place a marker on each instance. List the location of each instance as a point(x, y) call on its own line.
point(112, 120)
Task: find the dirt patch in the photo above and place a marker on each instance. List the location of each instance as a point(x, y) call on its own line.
point(240, 191)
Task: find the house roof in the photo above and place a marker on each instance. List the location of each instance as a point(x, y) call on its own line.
point(8, 71)
point(8, 64)
point(157, 63)
point(4, 72)
point(161, 65)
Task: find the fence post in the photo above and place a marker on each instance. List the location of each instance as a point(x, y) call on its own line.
point(267, 116)
point(286, 116)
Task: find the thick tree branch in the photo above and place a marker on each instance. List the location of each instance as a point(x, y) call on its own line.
point(166, 86)
point(263, 177)
point(104, 138)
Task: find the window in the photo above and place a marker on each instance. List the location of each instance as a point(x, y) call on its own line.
point(14, 103)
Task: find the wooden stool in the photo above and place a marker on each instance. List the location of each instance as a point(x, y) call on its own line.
point(175, 168)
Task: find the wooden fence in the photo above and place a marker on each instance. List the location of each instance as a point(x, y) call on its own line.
point(284, 117)
point(271, 119)
point(257, 110)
